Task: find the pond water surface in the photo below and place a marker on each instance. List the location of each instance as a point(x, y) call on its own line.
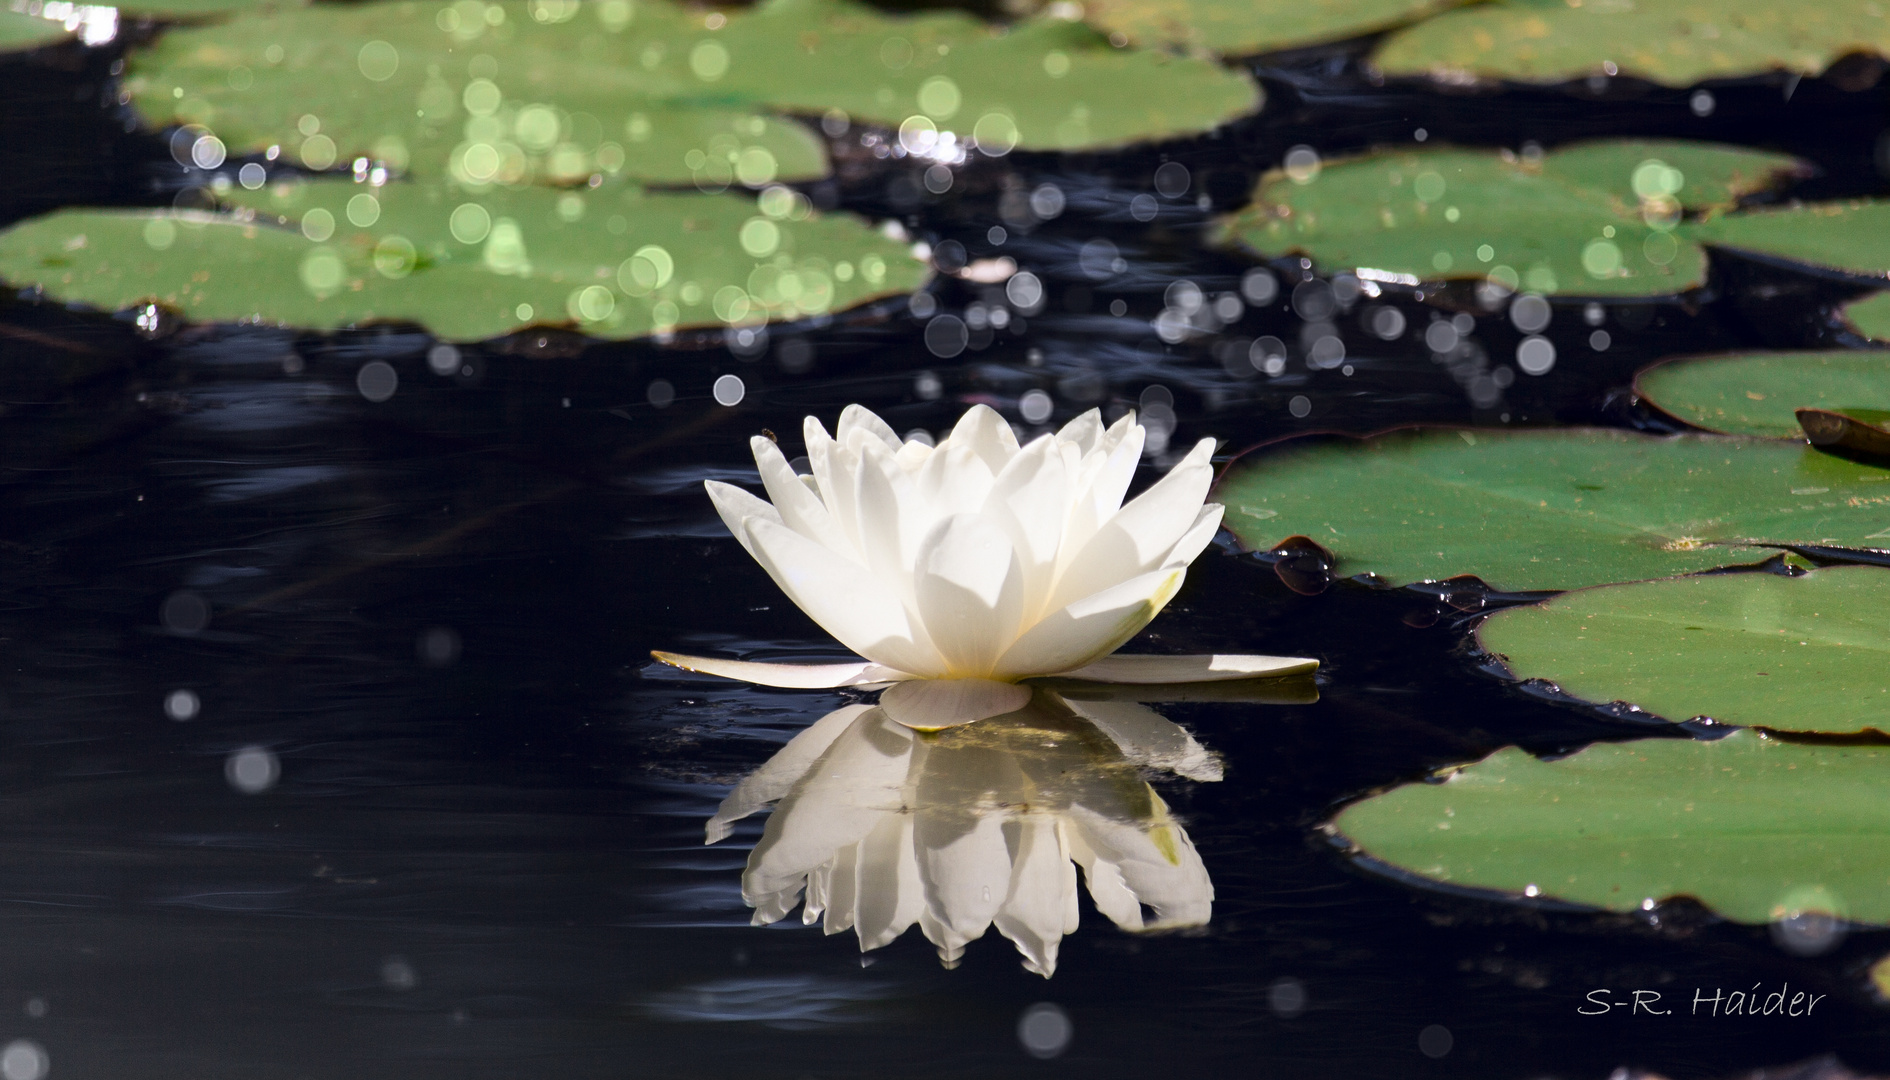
point(331, 745)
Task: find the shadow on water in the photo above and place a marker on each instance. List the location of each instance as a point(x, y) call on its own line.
point(331, 748)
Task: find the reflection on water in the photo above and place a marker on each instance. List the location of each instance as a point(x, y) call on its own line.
point(879, 827)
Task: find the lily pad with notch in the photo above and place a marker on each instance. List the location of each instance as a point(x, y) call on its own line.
point(1762, 393)
point(1755, 828)
point(1806, 653)
point(619, 263)
point(1528, 510)
point(1601, 219)
point(1672, 42)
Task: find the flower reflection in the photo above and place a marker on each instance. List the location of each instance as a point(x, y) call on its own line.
point(880, 826)
point(958, 570)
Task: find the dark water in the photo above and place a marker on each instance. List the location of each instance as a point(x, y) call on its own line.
point(481, 855)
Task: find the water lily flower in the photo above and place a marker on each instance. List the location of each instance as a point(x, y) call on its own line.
point(879, 827)
point(957, 570)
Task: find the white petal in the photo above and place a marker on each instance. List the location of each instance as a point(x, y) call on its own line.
point(955, 480)
point(890, 513)
point(799, 507)
point(1100, 485)
point(1147, 738)
point(833, 470)
point(1030, 500)
point(736, 507)
point(790, 676)
point(1041, 906)
point(1107, 890)
point(912, 455)
point(1197, 668)
point(1141, 534)
point(860, 780)
point(931, 704)
point(1155, 859)
point(891, 897)
point(986, 434)
point(1197, 538)
point(858, 421)
point(844, 598)
point(1090, 628)
point(964, 859)
point(969, 590)
point(1085, 432)
point(782, 771)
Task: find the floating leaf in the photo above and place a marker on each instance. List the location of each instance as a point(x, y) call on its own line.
point(554, 92)
point(1553, 509)
point(1603, 219)
point(1754, 828)
point(19, 32)
point(1043, 84)
point(616, 264)
point(492, 94)
point(1870, 316)
point(1851, 238)
point(1234, 28)
point(1675, 42)
point(1859, 432)
point(1810, 653)
point(1760, 393)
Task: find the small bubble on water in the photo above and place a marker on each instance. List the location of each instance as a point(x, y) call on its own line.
point(946, 336)
point(1287, 997)
point(1144, 207)
point(377, 380)
point(1045, 1030)
point(923, 305)
point(1035, 406)
point(729, 390)
point(1530, 313)
point(252, 176)
point(1535, 355)
point(1172, 180)
point(252, 770)
point(443, 360)
point(437, 646)
point(1259, 285)
point(1599, 341)
point(24, 1059)
point(1701, 103)
point(398, 974)
point(181, 705)
point(184, 612)
point(927, 385)
point(662, 393)
point(1300, 406)
point(36, 1008)
point(1302, 164)
point(1435, 1041)
point(1809, 933)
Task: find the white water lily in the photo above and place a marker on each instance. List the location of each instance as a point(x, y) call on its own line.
point(879, 828)
point(959, 569)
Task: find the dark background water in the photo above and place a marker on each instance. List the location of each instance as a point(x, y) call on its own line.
point(482, 855)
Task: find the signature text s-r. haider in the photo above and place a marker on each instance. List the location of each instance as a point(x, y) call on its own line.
point(1754, 1002)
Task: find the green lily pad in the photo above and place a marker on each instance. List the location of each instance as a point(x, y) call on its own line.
point(1760, 393)
point(1851, 238)
point(1810, 653)
point(1233, 28)
point(617, 263)
point(19, 32)
point(1043, 84)
point(1674, 42)
point(554, 92)
point(1553, 509)
point(1752, 827)
point(1602, 219)
point(1870, 316)
point(486, 93)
